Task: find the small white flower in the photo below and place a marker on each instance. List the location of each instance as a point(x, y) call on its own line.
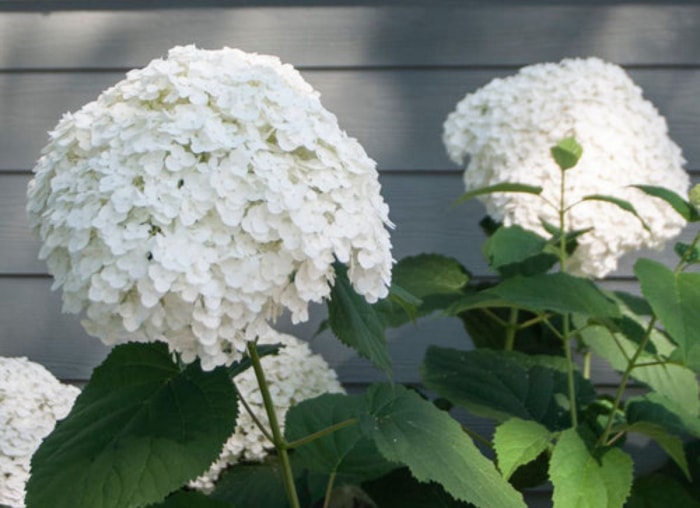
point(31, 401)
point(295, 374)
point(198, 198)
point(508, 127)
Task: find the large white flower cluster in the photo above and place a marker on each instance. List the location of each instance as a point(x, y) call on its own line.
point(508, 126)
point(201, 196)
point(295, 374)
point(31, 401)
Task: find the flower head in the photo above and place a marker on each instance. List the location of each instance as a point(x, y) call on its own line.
point(508, 127)
point(201, 196)
point(31, 401)
point(294, 374)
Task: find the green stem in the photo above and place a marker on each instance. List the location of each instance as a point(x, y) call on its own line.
point(278, 438)
point(329, 491)
point(587, 365)
point(631, 364)
point(477, 437)
point(511, 329)
point(570, 372)
point(255, 419)
point(323, 432)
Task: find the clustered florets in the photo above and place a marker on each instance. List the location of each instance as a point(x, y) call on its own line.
point(294, 374)
point(31, 401)
point(508, 126)
point(201, 196)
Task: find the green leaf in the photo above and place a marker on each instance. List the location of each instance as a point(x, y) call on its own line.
point(399, 489)
point(430, 274)
point(584, 480)
point(690, 254)
point(410, 430)
point(346, 451)
point(421, 285)
point(659, 490)
point(518, 442)
point(191, 499)
point(500, 187)
point(671, 444)
point(355, 322)
point(671, 380)
point(517, 251)
point(505, 384)
point(566, 153)
point(680, 205)
point(139, 430)
point(252, 485)
point(675, 298)
point(620, 203)
point(655, 408)
point(557, 292)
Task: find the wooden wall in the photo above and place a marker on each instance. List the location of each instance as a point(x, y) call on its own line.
point(391, 71)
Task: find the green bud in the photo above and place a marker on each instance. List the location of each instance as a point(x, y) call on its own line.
point(566, 153)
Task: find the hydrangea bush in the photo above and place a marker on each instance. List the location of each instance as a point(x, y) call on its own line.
point(505, 127)
point(202, 195)
point(207, 193)
point(31, 401)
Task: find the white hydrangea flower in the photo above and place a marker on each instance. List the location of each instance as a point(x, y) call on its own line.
point(508, 126)
point(31, 401)
point(201, 196)
point(295, 374)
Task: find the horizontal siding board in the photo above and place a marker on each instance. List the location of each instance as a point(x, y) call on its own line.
point(33, 326)
point(396, 114)
point(420, 206)
point(360, 36)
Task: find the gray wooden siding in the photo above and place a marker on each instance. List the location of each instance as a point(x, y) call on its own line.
point(390, 73)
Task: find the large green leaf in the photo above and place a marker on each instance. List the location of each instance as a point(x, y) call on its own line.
point(518, 442)
point(655, 408)
point(346, 451)
point(659, 490)
point(671, 380)
point(430, 274)
point(500, 187)
point(675, 298)
point(620, 203)
point(140, 429)
point(672, 445)
point(399, 489)
point(420, 285)
point(584, 480)
point(191, 499)
point(501, 385)
point(517, 251)
point(355, 322)
point(410, 430)
point(252, 485)
point(557, 292)
point(680, 205)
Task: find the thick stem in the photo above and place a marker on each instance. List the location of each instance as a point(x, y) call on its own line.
point(278, 440)
point(511, 329)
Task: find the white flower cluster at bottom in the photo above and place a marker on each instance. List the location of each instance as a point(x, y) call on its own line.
point(294, 374)
point(31, 401)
